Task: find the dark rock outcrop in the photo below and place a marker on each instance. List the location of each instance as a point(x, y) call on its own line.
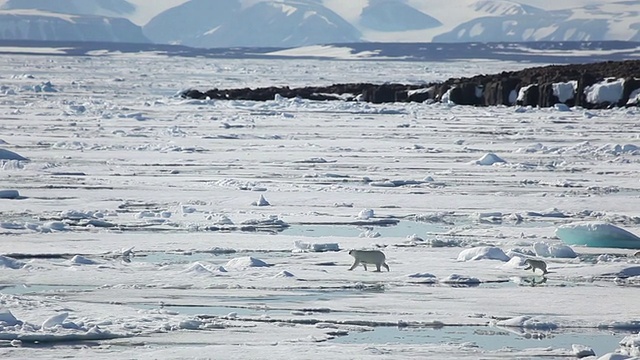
point(528, 87)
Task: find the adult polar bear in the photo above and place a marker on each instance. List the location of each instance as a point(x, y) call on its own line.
point(364, 257)
point(536, 264)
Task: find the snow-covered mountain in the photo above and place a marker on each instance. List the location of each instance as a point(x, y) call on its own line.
point(389, 15)
point(50, 26)
point(291, 23)
point(83, 7)
point(285, 23)
point(69, 20)
point(170, 27)
point(268, 23)
point(513, 21)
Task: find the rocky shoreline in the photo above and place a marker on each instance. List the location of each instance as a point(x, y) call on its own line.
point(594, 85)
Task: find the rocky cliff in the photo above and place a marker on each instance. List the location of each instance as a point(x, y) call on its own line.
point(594, 85)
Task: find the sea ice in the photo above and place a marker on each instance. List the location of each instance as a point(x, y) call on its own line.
point(88, 151)
point(597, 234)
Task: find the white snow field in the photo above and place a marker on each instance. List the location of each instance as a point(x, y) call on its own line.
point(136, 224)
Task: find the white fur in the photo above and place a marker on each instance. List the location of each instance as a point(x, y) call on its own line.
point(536, 264)
point(365, 257)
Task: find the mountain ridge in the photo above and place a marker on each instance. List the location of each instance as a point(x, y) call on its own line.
point(294, 23)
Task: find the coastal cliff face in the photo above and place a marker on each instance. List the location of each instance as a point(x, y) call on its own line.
point(595, 85)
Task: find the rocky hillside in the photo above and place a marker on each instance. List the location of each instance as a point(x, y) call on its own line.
point(595, 85)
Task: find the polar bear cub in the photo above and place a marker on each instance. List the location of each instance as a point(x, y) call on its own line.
point(365, 257)
point(536, 264)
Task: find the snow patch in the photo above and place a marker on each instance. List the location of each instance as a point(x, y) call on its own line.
point(565, 91)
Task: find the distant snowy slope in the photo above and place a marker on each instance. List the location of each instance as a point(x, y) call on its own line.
point(43, 25)
point(395, 15)
point(228, 23)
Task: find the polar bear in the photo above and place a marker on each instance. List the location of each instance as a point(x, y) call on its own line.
point(365, 257)
point(536, 264)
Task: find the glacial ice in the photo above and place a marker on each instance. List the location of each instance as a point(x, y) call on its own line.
point(597, 234)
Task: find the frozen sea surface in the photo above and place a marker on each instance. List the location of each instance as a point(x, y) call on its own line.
point(136, 224)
